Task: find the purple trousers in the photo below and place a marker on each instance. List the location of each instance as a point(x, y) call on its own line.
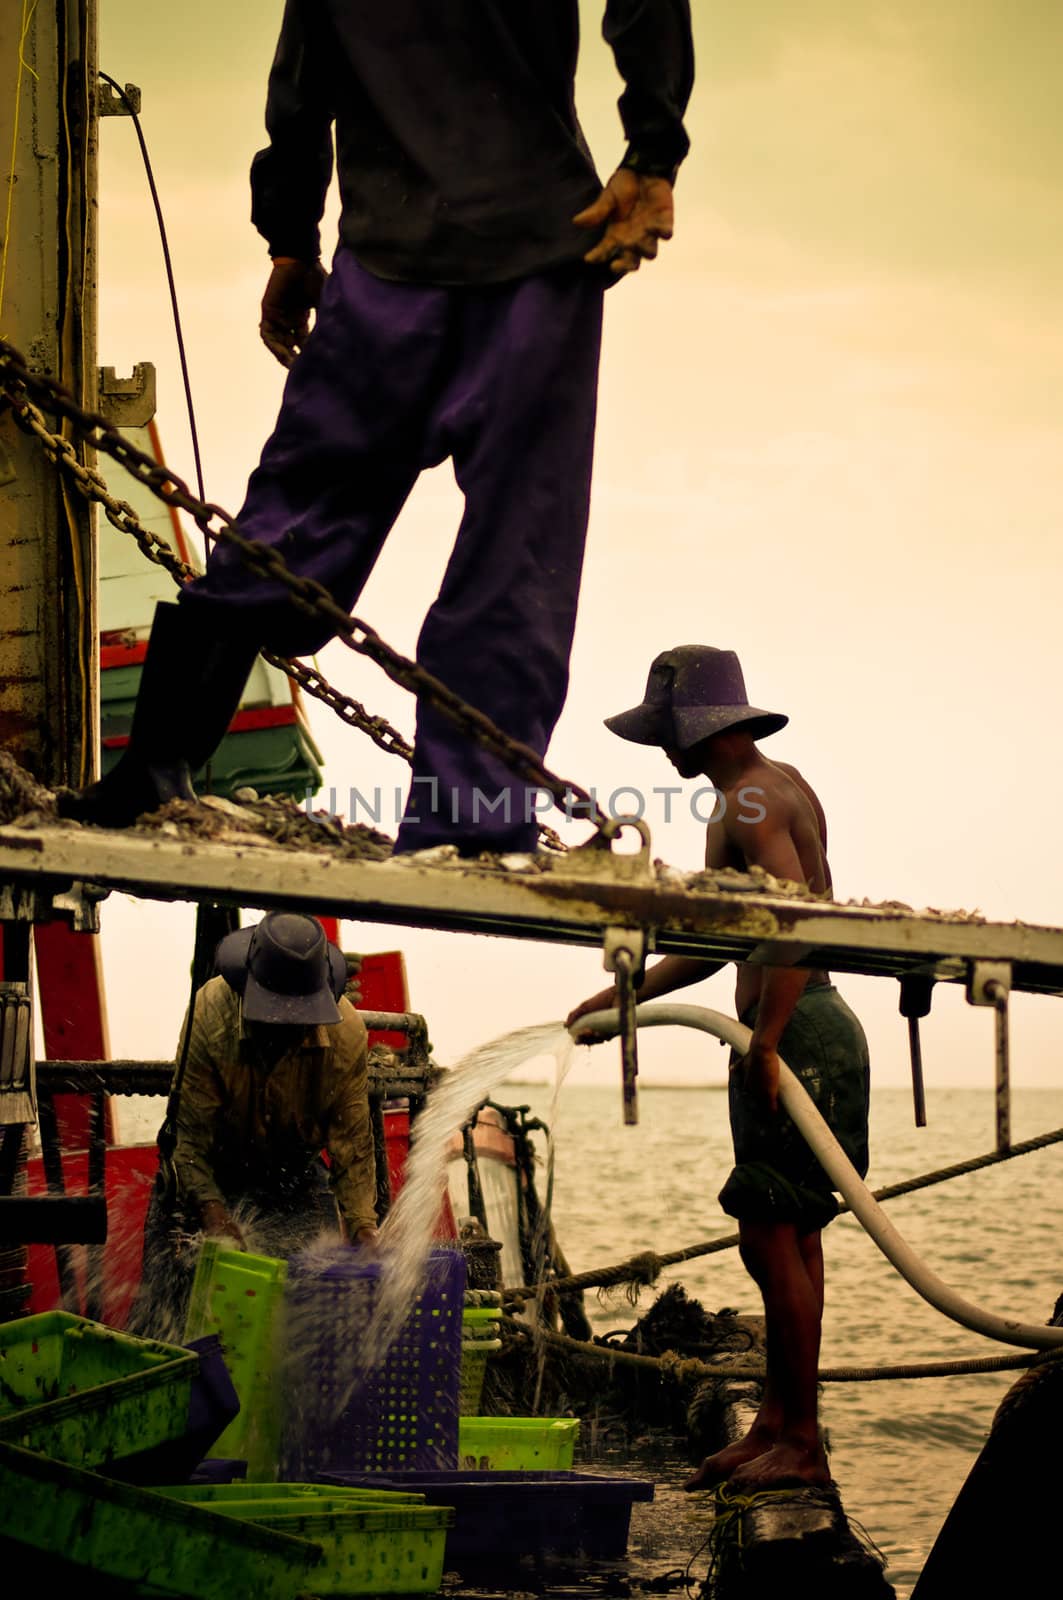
point(395, 378)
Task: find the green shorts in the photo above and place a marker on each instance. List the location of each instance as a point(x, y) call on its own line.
point(776, 1178)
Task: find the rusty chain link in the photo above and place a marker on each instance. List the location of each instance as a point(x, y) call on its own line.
point(94, 487)
point(22, 387)
point(157, 549)
point(350, 711)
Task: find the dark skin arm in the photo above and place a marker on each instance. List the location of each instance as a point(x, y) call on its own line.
point(293, 291)
point(637, 212)
point(770, 844)
point(218, 1224)
point(667, 975)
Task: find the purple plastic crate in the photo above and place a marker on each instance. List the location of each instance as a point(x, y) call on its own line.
point(212, 1404)
point(399, 1416)
point(216, 1469)
point(501, 1517)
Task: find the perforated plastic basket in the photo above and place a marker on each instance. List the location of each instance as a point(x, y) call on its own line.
point(299, 1496)
point(517, 1444)
point(240, 1297)
point(89, 1395)
point(475, 1354)
point(401, 1415)
point(475, 1319)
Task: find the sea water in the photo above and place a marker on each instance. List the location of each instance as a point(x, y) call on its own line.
point(900, 1450)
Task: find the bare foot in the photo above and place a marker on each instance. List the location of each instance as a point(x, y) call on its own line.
point(783, 1465)
point(718, 1468)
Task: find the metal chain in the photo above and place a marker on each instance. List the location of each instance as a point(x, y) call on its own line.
point(94, 487)
point(157, 549)
point(352, 712)
point(20, 385)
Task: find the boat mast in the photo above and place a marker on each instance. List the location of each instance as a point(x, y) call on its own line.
point(48, 592)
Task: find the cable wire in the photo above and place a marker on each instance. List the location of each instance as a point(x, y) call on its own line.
point(127, 102)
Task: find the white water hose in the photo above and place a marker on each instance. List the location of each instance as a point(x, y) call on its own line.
point(843, 1175)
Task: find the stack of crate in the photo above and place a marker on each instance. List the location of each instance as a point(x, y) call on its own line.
point(479, 1341)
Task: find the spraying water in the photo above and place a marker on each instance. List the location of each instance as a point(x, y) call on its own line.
point(406, 1237)
point(541, 1238)
point(339, 1341)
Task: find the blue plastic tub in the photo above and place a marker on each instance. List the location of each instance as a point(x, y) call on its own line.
point(502, 1516)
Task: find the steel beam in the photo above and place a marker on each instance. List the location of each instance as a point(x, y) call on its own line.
point(572, 900)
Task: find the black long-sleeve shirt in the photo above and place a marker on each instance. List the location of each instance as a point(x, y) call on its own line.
point(458, 150)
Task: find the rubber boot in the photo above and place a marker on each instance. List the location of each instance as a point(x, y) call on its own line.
point(190, 688)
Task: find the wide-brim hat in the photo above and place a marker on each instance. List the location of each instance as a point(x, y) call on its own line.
point(285, 970)
point(692, 692)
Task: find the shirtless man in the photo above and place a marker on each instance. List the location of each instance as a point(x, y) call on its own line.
point(765, 815)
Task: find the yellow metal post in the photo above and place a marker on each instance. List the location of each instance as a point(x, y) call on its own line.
point(48, 627)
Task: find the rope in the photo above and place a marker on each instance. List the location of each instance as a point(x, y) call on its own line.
point(687, 1369)
point(643, 1270)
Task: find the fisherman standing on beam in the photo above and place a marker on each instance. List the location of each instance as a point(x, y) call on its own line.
point(461, 319)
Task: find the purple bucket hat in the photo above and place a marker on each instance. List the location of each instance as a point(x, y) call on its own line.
point(693, 692)
point(285, 970)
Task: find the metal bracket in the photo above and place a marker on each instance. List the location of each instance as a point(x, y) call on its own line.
point(80, 904)
point(128, 402)
point(989, 984)
point(77, 904)
point(624, 954)
point(598, 859)
point(109, 103)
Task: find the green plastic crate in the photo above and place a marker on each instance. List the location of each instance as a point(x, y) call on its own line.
point(474, 1319)
point(372, 1551)
point(224, 1495)
point(474, 1357)
point(89, 1395)
point(517, 1444)
point(137, 1536)
point(240, 1297)
point(375, 1541)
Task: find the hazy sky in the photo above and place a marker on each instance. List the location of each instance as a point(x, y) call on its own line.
point(828, 438)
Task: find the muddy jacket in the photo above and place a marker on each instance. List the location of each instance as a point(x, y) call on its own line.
point(248, 1130)
point(459, 154)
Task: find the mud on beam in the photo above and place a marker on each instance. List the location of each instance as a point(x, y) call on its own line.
point(570, 899)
